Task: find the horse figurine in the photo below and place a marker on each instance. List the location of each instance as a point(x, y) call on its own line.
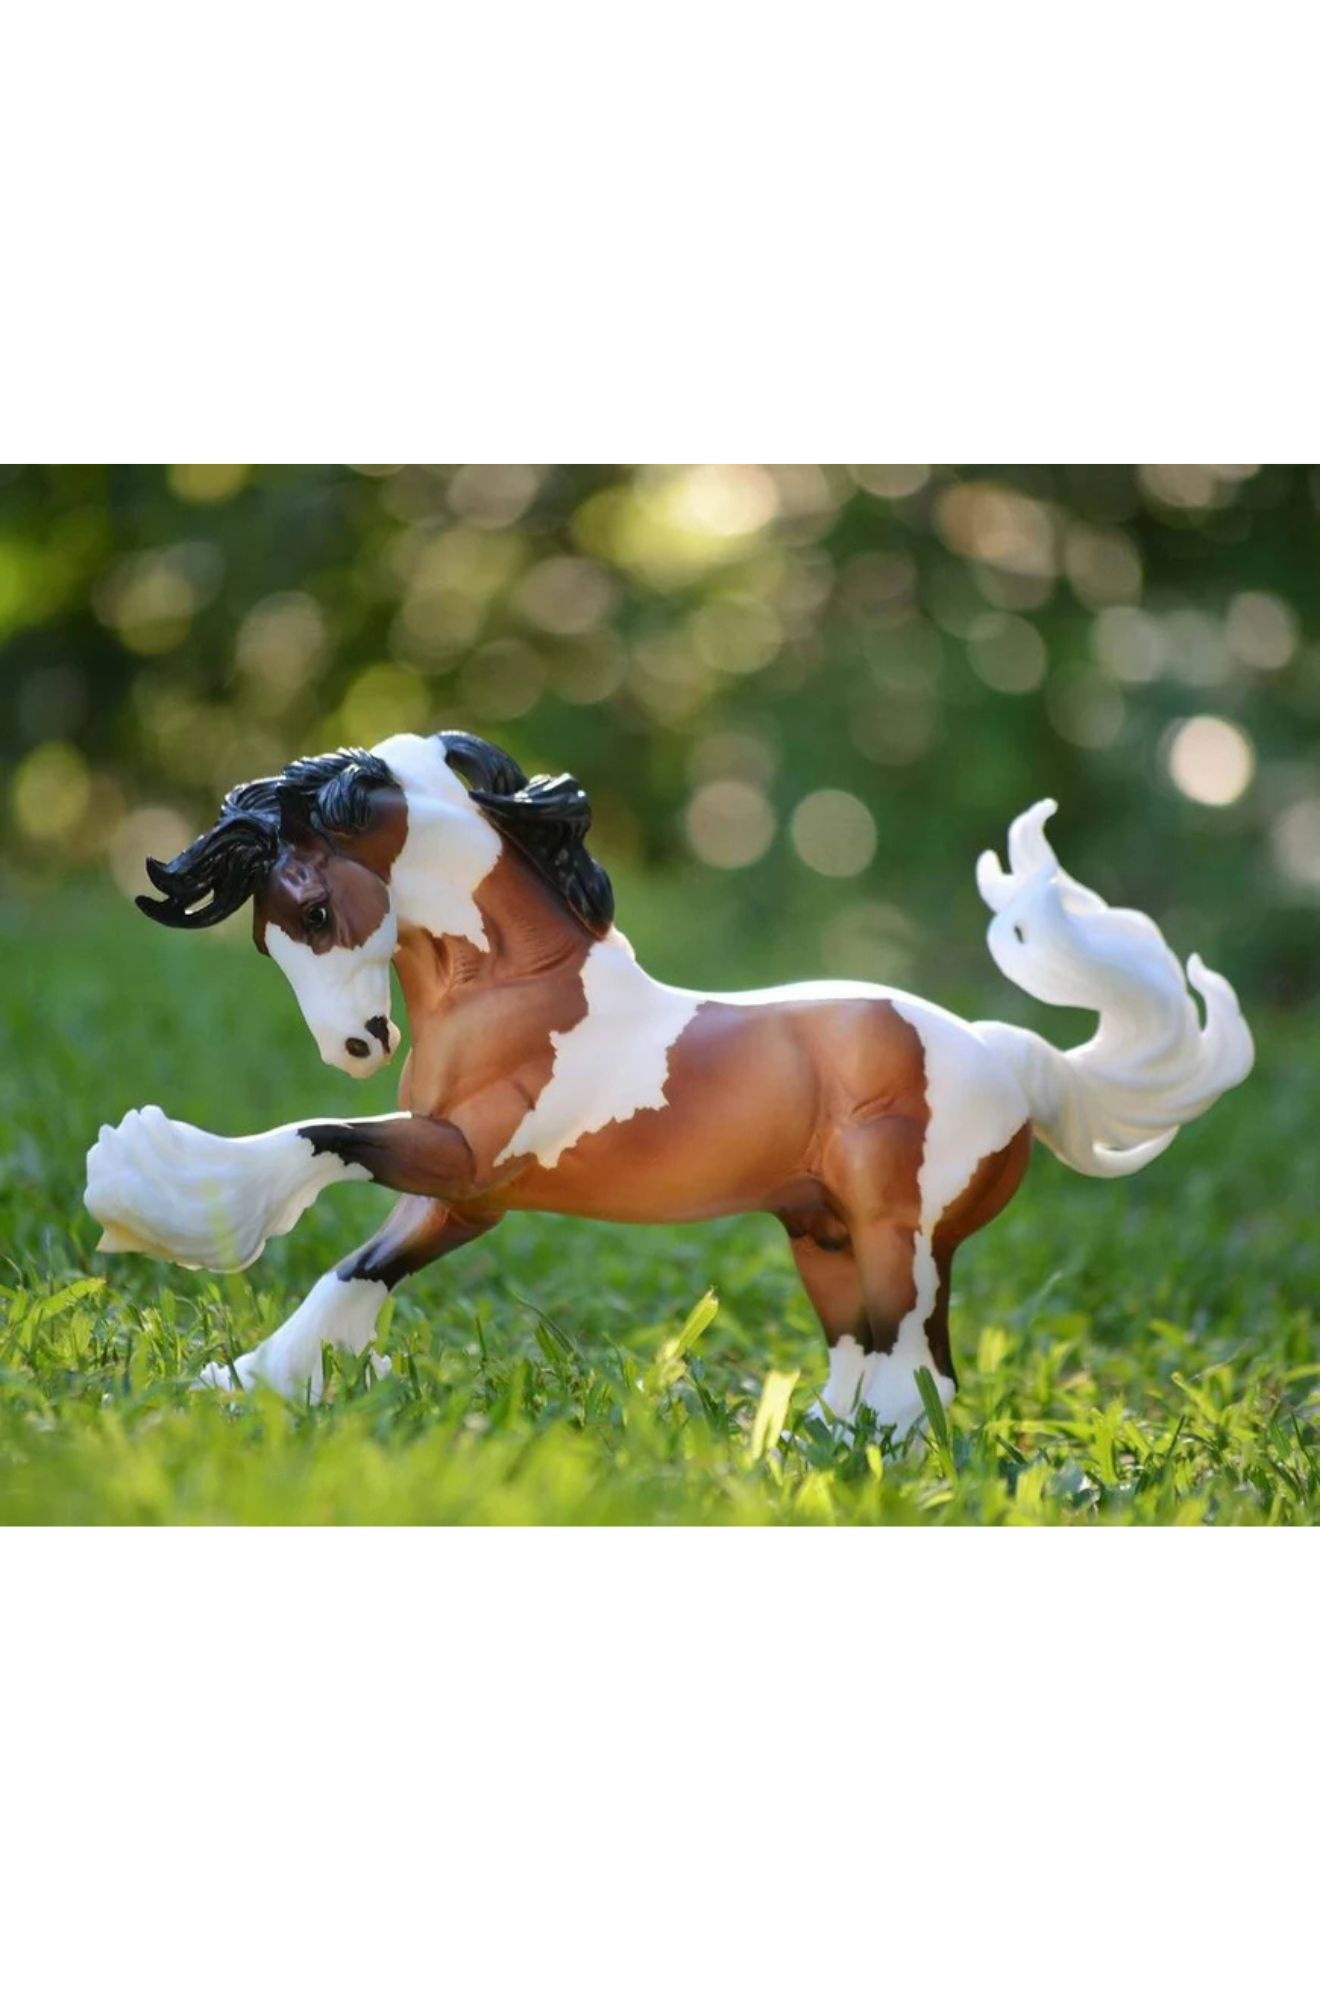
point(549, 1071)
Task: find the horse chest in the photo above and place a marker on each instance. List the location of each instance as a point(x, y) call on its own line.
point(611, 1063)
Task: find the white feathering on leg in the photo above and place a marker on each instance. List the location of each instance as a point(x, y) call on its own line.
point(165, 1188)
point(337, 1312)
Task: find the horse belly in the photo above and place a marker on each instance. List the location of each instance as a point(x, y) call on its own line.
point(739, 1117)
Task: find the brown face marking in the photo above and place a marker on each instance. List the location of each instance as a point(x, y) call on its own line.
point(328, 890)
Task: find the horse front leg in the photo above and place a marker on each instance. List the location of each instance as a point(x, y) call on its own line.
point(163, 1187)
point(342, 1308)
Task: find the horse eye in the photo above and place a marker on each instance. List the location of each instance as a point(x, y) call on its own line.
point(316, 918)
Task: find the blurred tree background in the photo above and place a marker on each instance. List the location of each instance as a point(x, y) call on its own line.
point(803, 697)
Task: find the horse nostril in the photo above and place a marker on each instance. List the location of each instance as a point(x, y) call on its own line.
point(356, 1048)
point(380, 1029)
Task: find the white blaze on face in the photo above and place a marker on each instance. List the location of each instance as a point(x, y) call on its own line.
point(341, 991)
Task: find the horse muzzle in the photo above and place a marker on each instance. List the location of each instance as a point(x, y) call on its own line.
point(364, 1052)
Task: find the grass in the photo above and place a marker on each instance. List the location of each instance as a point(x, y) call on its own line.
point(1139, 1351)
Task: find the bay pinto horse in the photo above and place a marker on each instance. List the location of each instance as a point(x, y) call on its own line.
point(549, 1071)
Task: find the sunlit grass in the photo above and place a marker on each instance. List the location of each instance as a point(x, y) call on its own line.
point(1127, 1351)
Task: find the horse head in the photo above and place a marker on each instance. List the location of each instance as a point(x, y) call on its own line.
point(313, 848)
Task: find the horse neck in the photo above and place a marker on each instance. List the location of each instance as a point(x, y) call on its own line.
point(527, 931)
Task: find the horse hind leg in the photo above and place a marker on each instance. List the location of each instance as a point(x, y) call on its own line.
point(342, 1308)
point(881, 1291)
point(874, 1175)
point(863, 1290)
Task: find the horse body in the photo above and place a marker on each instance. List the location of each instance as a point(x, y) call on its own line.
point(549, 1071)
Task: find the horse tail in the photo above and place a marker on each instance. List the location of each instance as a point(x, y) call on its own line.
point(1113, 1104)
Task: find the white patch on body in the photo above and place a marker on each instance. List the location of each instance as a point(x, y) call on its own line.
point(613, 1063)
point(975, 1107)
point(450, 847)
point(340, 991)
point(340, 1312)
point(168, 1189)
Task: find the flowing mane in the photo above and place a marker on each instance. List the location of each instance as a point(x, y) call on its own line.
point(219, 872)
point(546, 818)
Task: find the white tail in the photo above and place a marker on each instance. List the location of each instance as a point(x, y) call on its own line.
point(1112, 1105)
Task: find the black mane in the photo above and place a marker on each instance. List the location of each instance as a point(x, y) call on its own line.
point(546, 818)
point(218, 873)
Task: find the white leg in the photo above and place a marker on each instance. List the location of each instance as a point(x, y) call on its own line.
point(163, 1187)
point(884, 1384)
point(339, 1311)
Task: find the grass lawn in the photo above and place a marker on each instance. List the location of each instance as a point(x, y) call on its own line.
point(1139, 1351)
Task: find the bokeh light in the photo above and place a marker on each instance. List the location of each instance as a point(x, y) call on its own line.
point(280, 646)
point(997, 527)
point(1183, 486)
point(833, 833)
point(1261, 631)
point(492, 495)
point(736, 634)
point(382, 699)
point(1103, 566)
point(729, 824)
point(1130, 644)
point(50, 791)
point(1007, 653)
point(150, 599)
point(1211, 760)
point(1198, 653)
point(1295, 840)
point(891, 480)
point(565, 597)
point(207, 483)
point(146, 832)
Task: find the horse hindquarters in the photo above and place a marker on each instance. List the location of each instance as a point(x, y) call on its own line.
point(880, 1285)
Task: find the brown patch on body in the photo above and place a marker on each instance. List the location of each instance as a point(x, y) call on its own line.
point(994, 1183)
point(810, 1110)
